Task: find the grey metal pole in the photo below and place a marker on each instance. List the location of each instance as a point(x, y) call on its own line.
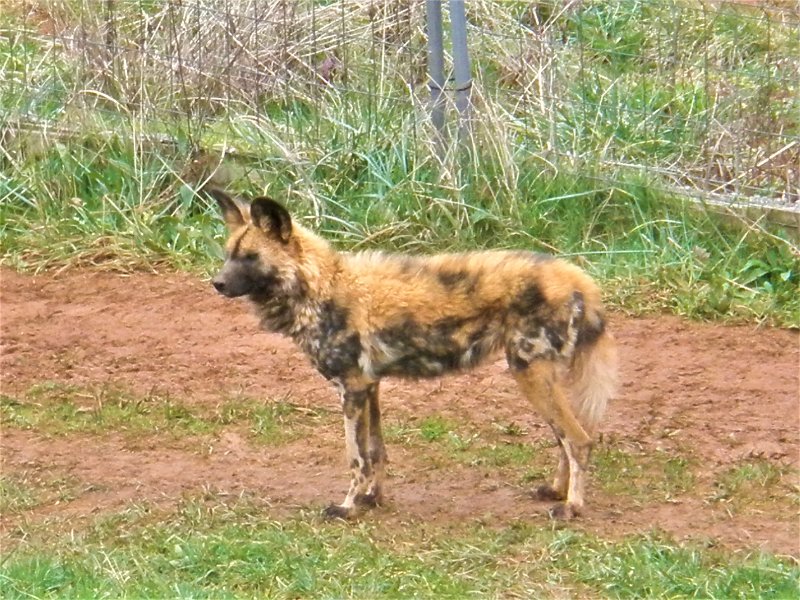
point(436, 83)
point(458, 25)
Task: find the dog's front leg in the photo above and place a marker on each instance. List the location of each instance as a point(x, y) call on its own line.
point(355, 405)
point(377, 452)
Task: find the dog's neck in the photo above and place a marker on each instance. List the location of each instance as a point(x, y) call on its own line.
point(297, 312)
point(319, 264)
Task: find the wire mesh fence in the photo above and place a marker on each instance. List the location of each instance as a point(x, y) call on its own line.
point(699, 97)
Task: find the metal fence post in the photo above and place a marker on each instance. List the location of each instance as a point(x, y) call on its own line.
point(458, 25)
point(433, 12)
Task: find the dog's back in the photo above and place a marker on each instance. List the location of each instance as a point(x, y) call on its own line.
point(423, 316)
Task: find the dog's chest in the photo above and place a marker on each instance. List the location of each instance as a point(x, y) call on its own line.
point(327, 338)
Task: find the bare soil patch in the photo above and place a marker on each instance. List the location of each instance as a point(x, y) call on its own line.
point(722, 395)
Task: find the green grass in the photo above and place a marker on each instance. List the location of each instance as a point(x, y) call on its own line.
point(25, 490)
point(446, 442)
point(661, 85)
point(647, 477)
point(434, 428)
point(755, 484)
point(270, 423)
point(210, 549)
point(16, 494)
point(60, 409)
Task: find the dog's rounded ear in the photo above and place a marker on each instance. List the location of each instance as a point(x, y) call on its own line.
point(271, 217)
point(230, 209)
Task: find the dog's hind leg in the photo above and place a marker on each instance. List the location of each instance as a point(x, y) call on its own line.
point(377, 451)
point(558, 489)
point(540, 382)
point(356, 408)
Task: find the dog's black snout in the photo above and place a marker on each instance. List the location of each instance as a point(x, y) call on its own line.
point(218, 285)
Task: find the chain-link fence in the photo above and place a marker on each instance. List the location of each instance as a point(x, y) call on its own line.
point(698, 97)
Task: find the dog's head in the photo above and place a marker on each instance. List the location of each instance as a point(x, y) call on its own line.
point(261, 252)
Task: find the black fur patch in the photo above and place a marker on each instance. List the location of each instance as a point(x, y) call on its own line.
point(546, 493)
point(451, 279)
point(540, 342)
point(332, 319)
point(236, 250)
point(554, 337)
point(461, 281)
point(377, 450)
point(421, 350)
point(515, 361)
point(276, 315)
point(354, 402)
point(578, 304)
point(530, 301)
point(545, 328)
point(264, 285)
point(335, 511)
point(277, 303)
point(589, 333)
point(245, 277)
point(519, 358)
point(338, 347)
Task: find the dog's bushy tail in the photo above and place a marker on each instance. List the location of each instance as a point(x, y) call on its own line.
point(593, 379)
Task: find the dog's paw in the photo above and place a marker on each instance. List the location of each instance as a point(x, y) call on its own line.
point(546, 493)
point(337, 511)
point(564, 511)
point(370, 500)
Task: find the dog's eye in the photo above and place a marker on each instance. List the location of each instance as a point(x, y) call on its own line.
point(250, 256)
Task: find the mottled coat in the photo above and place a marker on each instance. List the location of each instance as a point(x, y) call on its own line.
point(364, 316)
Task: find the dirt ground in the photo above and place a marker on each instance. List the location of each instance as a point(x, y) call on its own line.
point(725, 394)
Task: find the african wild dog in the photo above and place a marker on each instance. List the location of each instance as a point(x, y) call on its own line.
point(364, 316)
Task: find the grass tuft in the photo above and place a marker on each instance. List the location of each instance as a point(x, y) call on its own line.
point(56, 408)
point(754, 484)
point(648, 476)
